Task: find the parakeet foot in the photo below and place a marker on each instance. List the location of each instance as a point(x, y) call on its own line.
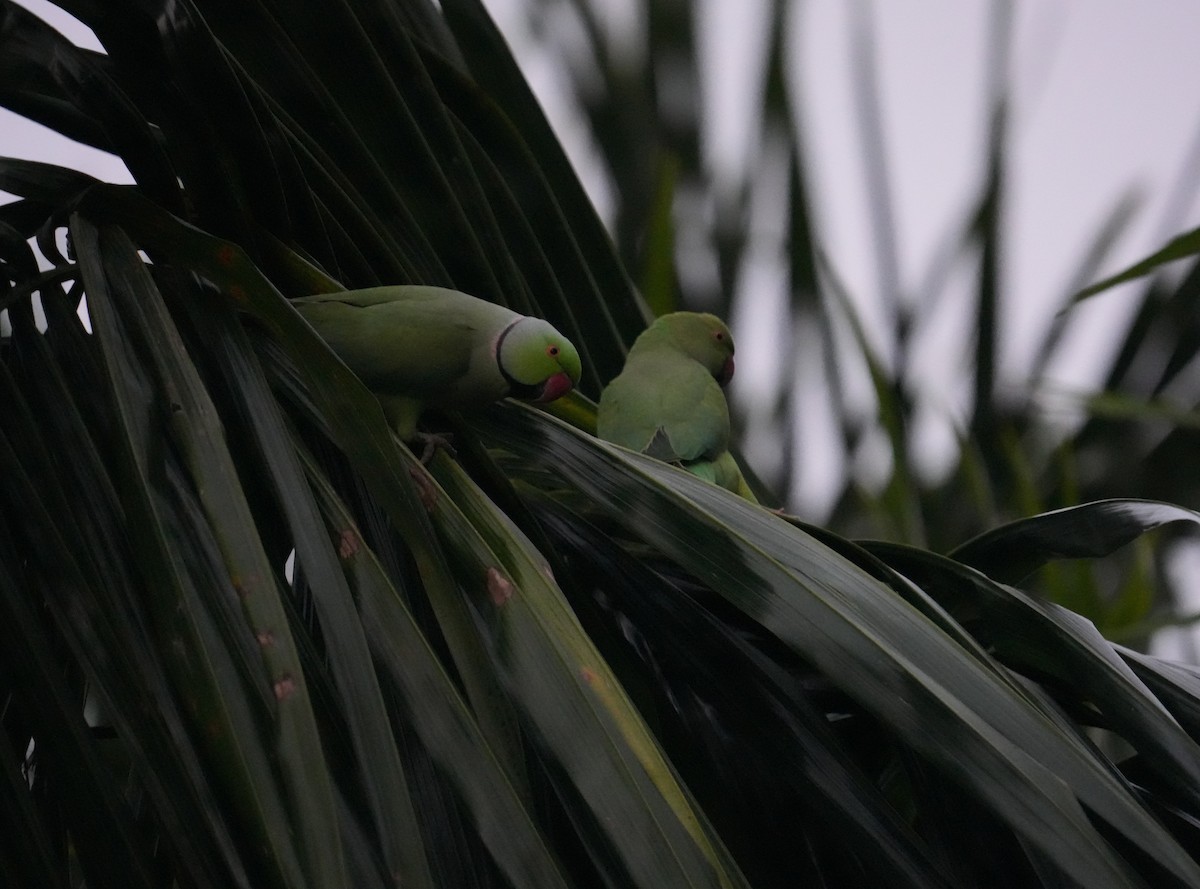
point(431, 441)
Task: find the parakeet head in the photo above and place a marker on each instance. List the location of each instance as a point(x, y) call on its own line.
point(703, 338)
point(537, 362)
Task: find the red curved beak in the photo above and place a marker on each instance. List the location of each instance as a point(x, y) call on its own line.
point(726, 373)
point(555, 387)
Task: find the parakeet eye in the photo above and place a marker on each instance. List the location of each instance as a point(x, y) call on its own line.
point(552, 351)
point(719, 335)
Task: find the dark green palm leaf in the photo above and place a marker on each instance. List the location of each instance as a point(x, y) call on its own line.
point(973, 721)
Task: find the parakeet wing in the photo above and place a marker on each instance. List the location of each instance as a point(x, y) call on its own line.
point(666, 406)
point(426, 342)
point(723, 471)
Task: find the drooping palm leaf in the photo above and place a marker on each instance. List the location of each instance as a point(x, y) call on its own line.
point(1179, 247)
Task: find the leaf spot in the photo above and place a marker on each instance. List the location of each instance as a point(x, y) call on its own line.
point(244, 586)
point(500, 588)
point(348, 543)
point(426, 492)
point(285, 687)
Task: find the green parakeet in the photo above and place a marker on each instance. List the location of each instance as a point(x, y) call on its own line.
point(415, 346)
point(667, 401)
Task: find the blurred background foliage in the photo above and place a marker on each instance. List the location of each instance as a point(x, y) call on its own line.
point(696, 236)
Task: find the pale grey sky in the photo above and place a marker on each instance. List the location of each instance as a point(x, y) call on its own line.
point(1104, 101)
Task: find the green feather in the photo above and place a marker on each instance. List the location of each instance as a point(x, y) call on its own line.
point(415, 346)
point(667, 402)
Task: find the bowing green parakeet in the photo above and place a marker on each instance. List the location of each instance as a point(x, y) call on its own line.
point(668, 401)
point(415, 346)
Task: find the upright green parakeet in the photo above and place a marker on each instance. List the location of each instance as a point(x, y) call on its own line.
point(668, 401)
point(418, 346)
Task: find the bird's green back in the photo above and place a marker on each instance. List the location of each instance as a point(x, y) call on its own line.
point(666, 405)
point(428, 343)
